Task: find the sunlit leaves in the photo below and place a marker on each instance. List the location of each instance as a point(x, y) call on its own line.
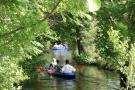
point(117, 43)
point(93, 5)
point(22, 22)
point(10, 73)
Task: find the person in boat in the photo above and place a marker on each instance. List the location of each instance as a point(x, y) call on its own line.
point(67, 68)
point(55, 45)
point(51, 69)
point(65, 45)
point(54, 62)
point(58, 67)
point(61, 46)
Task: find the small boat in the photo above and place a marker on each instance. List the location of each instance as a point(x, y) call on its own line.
point(65, 75)
point(60, 49)
point(62, 75)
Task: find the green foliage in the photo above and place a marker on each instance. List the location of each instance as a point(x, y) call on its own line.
point(73, 7)
point(120, 48)
point(21, 22)
point(66, 29)
point(89, 32)
point(80, 59)
point(115, 39)
point(63, 24)
point(10, 73)
point(30, 66)
point(124, 59)
point(131, 69)
point(111, 14)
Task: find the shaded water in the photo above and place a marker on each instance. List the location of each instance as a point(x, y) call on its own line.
point(89, 78)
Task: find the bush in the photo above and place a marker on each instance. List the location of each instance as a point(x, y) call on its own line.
point(30, 65)
point(10, 73)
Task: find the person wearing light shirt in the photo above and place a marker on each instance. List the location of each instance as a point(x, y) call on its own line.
point(67, 68)
point(54, 62)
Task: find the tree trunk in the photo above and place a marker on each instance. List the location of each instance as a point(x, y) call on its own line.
point(79, 39)
point(123, 80)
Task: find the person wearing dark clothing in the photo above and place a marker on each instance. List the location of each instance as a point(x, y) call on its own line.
point(58, 67)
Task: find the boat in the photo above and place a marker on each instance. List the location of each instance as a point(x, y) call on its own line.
point(62, 75)
point(65, 75)
point(59, 49)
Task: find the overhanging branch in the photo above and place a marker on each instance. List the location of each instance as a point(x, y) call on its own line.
point(21, 28)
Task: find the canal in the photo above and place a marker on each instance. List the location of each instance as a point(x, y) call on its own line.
point(89, 78)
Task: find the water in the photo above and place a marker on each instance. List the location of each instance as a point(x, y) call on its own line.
point(88, 78)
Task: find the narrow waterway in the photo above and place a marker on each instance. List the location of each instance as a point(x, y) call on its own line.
point(89, 78)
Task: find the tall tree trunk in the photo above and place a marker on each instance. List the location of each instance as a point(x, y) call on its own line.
point(79, 39)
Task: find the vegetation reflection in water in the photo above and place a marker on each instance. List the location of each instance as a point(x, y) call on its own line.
point(91, 78)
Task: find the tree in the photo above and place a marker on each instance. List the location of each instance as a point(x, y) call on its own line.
point(21, 22)
point(116, 39)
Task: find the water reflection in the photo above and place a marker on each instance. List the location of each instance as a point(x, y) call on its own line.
point(91, 79)
point(65, 84)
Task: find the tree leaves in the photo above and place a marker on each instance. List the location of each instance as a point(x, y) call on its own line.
point(21, 22)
